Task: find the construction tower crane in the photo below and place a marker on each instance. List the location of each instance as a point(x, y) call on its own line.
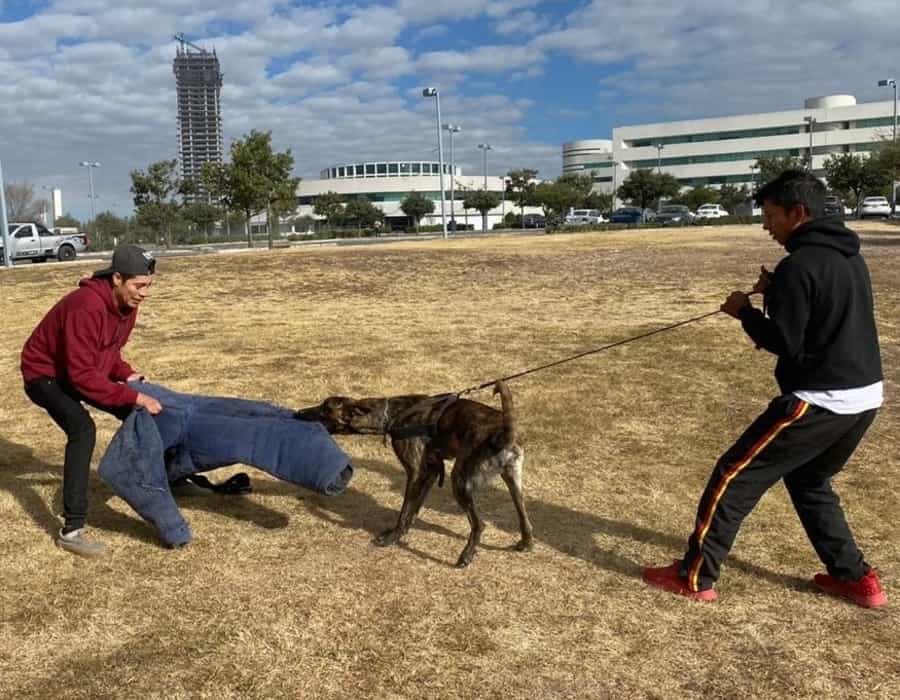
point(185, 43)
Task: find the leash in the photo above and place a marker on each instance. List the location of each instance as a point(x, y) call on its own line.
point(448, 398)
point(485, 385)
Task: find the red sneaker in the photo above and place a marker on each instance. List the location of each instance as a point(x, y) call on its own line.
point(668, 579)
point(865, 592)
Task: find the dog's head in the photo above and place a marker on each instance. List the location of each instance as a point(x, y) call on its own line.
point(346, 416)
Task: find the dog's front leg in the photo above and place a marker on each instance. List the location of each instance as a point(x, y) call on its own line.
point(420, 479)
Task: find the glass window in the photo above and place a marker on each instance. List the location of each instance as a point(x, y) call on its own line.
point(382, 168)
point(416, 168)
point(392, 169)
point(404, 168)
point(340, 172)
point(872, 123)
point(23, 232)
point(718, 136)
point(713, 158)
point(370, 168)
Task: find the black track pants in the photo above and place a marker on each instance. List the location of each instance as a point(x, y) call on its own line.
point(792, 440)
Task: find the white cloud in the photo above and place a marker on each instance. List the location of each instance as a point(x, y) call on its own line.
point(421, 11)
point(305, 76)
point(487, 59)
point(382, 62)
point(714, 58)
point(521, 24)
point(334, 81)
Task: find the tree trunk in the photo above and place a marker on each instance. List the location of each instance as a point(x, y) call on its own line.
point(247, 225)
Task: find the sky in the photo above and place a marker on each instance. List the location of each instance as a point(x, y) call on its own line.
point(341, 82)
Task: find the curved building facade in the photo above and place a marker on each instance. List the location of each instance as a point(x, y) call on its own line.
point(387, 183)
point(389, 168)
point(589, 156)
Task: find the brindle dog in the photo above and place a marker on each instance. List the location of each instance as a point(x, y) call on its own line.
point(426, 430)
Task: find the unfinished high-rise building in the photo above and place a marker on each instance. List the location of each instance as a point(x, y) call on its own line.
point(199, 84)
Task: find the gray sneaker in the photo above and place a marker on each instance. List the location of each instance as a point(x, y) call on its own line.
point(77, 543)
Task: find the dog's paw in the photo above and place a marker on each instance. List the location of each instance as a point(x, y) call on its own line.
point(386, 538)
point(524, 545)
point(464, 559)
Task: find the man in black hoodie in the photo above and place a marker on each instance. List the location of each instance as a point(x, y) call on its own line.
point(818, 320)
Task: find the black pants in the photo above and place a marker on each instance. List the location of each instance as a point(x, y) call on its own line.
point(63, 403)
point(792, 440)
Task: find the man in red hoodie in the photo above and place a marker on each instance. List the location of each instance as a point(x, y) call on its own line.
point(74, 356)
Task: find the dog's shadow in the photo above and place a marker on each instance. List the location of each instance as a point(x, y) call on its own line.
point(24, 476)
point(568, 531)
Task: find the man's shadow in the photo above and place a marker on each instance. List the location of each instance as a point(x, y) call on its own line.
point(23, 476)
point(568, 531)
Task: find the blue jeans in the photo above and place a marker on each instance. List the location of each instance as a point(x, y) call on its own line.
point(204, 432)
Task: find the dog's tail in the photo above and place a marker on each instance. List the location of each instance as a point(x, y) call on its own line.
point(509, 414)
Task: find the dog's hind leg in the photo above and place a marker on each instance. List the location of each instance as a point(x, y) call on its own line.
point(511, 472)
point(465, 477)
point(417, 488)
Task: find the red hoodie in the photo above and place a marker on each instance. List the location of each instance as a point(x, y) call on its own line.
point(79, 341)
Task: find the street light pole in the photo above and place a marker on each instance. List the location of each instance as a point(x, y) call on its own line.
point(892, 83)
point(90, 165)
point(615, 184)
point(453, 129)
point(4, 224)
point(659, 148)
point(811, 121)
point(433, 92)
point(485, 147)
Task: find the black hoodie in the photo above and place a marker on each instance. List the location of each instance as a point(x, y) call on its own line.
point(820, 322)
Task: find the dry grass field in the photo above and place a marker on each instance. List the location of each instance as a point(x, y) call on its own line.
point(282, 594)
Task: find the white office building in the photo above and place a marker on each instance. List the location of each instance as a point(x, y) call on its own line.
point(387, 183)
point(723, 150)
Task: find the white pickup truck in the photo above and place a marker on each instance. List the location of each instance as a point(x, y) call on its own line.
point(36, 243)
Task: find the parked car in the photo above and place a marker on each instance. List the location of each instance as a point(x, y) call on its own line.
point(834, 206)
point(534, 221)
point(875, 206)
point(32, 241)
point(581, 217)
point(711, 211)
point(631, 215)
point(674, 215)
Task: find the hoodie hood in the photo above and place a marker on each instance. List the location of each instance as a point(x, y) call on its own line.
point(102, 287)
point(828, 232)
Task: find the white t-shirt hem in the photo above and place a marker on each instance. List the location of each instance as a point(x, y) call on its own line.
point(845, 401)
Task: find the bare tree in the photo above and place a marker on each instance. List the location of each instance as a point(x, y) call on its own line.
point(21, 204)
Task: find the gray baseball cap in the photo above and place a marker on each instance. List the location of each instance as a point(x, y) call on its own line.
point(131, 260)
